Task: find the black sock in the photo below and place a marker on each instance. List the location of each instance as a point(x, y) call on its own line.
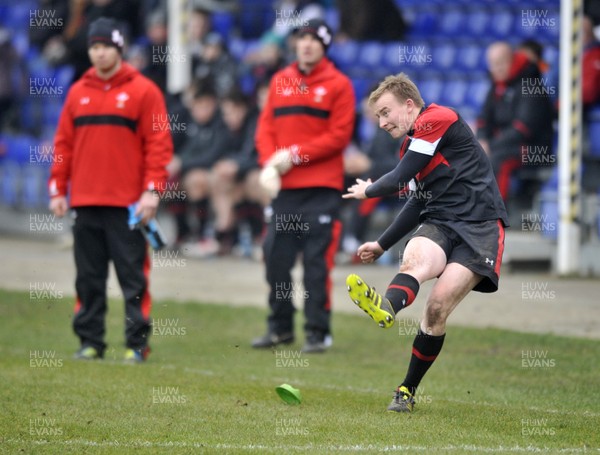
point(402, 291)
point(253, 214)
point(201, 214)
point(424, 352)
point(179, 210)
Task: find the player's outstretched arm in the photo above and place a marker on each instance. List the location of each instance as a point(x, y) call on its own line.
point(408, 167)
point(405, 221)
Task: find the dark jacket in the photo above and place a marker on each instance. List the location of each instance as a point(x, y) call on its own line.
point(517, 112)
point(205, 144)
point(240, 145)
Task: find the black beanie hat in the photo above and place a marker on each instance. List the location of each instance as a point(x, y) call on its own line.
point(105, 30)
point(319, 29)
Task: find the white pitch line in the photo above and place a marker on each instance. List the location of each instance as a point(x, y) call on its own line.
point(305, 448)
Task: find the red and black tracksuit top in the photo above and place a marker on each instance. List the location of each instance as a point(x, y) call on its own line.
point(112, 142)
point(313, 114)
point(456, 182)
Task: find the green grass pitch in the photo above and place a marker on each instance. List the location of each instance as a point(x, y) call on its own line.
point(204, 390)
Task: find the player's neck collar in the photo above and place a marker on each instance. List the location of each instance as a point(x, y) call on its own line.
point(411, 132)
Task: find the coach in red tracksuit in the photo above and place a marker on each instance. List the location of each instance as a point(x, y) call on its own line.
point(111, 149)
point(303, 129)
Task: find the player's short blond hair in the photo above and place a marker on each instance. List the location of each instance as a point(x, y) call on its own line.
point(401, 87)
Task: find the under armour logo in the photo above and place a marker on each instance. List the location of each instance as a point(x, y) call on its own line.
point(489, 261)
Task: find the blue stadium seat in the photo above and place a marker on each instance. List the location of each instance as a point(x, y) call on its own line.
point(552, 31)
point(424, 23)
point(431, 90)
point(222, 23)
point(18, 15)
point(443, 56)
point(454, 93)
point(361, 87)
point(538, 21)
point(254, 19)
point(469, 57)
point(391, 57)
point(332, 17)
point(237, 47)
point(4, 12)
point(501, 23)
point(370, 54)
point(549, 205)
point(477, 23)
point(10, 182)
point(39, 68)
point(64, 77)
point(549, 215)
point(476, 93)
point(594, 131)
point(18, 148)
point(550, 55)
point(20, 41)
point(452, 22)
point(51, 110)
point(344, 54)
point(247, 83)
point(33, 189)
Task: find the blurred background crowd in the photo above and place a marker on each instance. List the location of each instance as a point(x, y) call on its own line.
point(450, 49)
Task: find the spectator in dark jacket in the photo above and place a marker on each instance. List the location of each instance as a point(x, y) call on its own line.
point(365, 20)
point(206, 136)
point(235, 176)
point(515, 122)
point(215, 62)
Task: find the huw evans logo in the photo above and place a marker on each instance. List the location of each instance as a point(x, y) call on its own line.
point(45, 18)
point(44, 359)
point(290, 359)
point(536, 359)
point(534, 290)
point(537, 18)
point(416, 55)
point(537, 222)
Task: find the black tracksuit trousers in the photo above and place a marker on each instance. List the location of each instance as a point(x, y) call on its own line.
point(102, 234)
point(304, 222)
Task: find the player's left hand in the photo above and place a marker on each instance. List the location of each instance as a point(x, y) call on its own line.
point(357, 191)
point(147, 206)
point(369, 252)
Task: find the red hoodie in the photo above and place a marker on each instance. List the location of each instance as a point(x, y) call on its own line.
point(314, 115)
point(113, 140)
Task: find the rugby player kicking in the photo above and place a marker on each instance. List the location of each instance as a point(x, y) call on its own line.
point(454, 204)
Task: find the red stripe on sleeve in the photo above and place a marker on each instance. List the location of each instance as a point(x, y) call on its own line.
point(437, 159)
